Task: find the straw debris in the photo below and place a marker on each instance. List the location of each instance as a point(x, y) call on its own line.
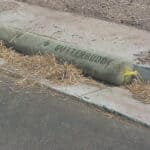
point(140, 90)
point(42, 66)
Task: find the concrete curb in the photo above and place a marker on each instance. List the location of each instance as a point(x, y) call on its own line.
point(144, 71)
point(112, 99)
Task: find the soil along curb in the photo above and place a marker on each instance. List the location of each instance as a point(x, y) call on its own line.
point(99, 66)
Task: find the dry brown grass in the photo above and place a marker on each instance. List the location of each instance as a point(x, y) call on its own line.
point(131, 12)
point(140, 90)
point(37, 66)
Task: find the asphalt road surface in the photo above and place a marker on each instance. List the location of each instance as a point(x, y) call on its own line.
point(40, 119)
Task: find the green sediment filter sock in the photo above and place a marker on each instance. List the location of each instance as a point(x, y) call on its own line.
point(99, 66)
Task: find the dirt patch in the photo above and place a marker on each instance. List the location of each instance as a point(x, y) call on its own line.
point(131, 12)
point(5, 6)
point(143, 58)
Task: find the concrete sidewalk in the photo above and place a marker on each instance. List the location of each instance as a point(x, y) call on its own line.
point(101, 36)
